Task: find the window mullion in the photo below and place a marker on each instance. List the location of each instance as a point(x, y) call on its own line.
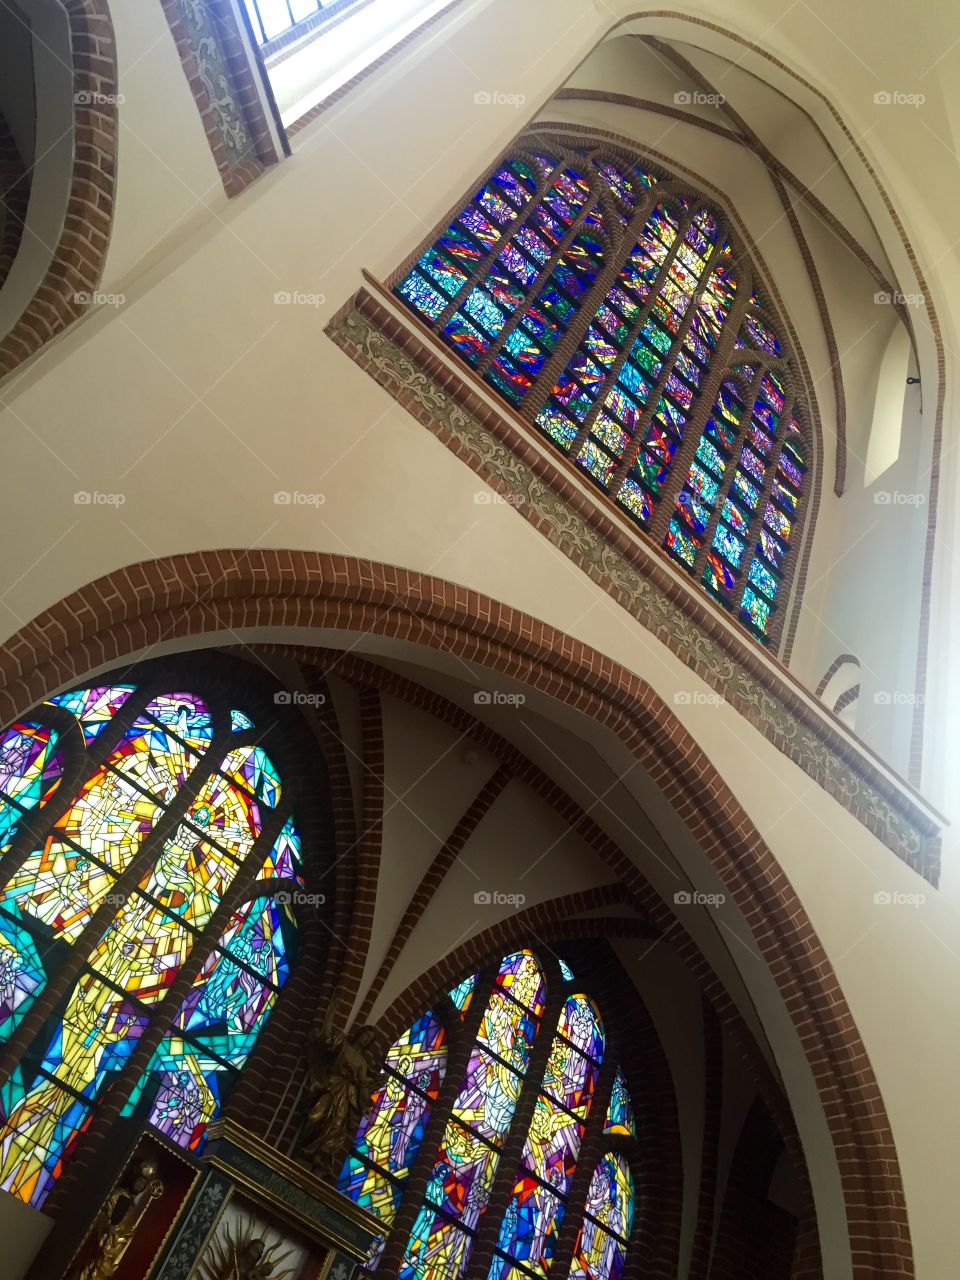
point(593, 1147)
point(774, 635)
point(615, 369)
point(543, 275)
point(765, 496)
point(458, 1059)
point(263, 30)
point(98, 752)
point(726, 483)
point(523, 219)
point(511, 1154)
point(719, 370)
point(124, 885)
point(632, 451)
point(590, 305)
point(165, 1010)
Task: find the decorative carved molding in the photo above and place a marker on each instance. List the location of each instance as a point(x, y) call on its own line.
point(199, 1221)
point(201, 32)
point(217, 63)
point(636, 577)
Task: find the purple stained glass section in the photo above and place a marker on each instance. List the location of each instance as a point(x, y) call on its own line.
point(580, 1023)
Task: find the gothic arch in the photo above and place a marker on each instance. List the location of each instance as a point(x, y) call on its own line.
point(196, 751)
point(156, 604)
point(644, 349)
point(657, 1160)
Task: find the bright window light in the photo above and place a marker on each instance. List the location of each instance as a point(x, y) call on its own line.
point(317, 58)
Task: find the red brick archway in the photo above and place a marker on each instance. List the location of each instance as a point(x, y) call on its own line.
point(153, 604)
point(77, 262)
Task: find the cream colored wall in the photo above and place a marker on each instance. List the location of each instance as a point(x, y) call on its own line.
point(23, 1230)
point(520, 848)
point(873, 536)
point(429, 783)
point(200, 398)
point(168, 185)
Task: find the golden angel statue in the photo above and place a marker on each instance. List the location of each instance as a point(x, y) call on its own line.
point(118, 1220)
point(341, 1070)
point(243, 1255)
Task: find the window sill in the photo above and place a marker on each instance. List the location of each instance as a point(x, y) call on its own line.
point(315, 63)
point(400, 353)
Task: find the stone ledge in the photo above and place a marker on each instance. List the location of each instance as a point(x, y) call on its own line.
point(764, 694)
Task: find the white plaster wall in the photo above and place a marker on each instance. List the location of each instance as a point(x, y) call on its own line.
point(431, 777)
point(200, 399)
point(23, 1230)
point(521, 848)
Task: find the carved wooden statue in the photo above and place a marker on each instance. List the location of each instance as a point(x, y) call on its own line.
point(243, 1256)
point(118, 1220)
point(341, 1070)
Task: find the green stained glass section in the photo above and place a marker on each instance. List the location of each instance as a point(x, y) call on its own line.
point(22, 974)
point(462, 993)
point(620, 1119)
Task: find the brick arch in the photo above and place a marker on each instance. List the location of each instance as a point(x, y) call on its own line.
point(554, 920)
point(155, 603)
point(77, 263)
point(655, 920)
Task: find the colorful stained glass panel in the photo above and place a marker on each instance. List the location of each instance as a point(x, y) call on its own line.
point(462, 993)
point(522, 977)
point(580, 1023)
point(369, 1189)
point(755, 610)
point(437, 1249)
point(391, 1132)
point(22, 974)
point(460, 1182)
point(30, 770)
point(95, 707)
point(488, 1096)
point(620, 1117)
point(552, 1144)
point(531, 1222)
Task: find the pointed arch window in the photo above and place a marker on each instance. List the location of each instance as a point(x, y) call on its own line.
point(610, 307)
point(499, 1149)
point(144, 835)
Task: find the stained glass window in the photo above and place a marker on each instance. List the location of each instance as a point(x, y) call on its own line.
point(606, 308)
point(459, 1157)
point(601, 1245)
point(135, 878)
